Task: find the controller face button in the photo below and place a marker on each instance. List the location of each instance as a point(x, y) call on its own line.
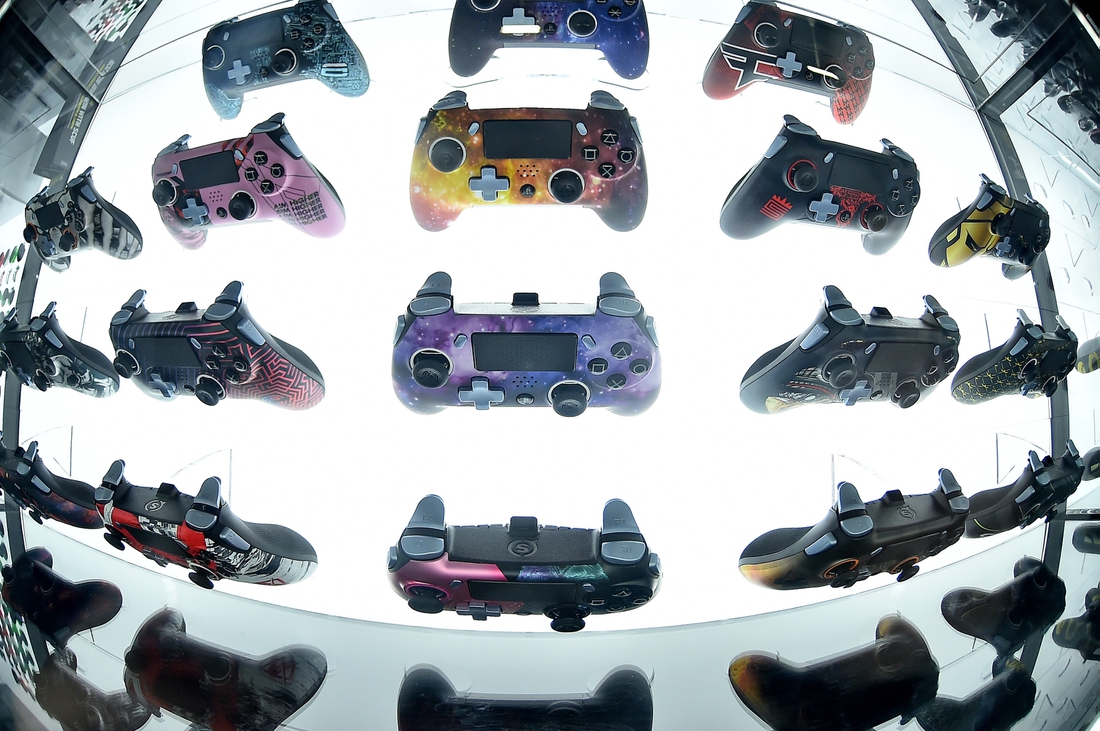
point(319, 29)
point(277, 170)
point(213, 57)
point(616, 381)
point(621, 350)
point(284, 61)
point(615, 12)
point(266, 187)
point(802, 176)
point(260, 157)
point(863, 50)
point(639, 367)
point(242, 206)
point(308, 44)
point(597, 366)
point(626, 155)
point(609, 137)
point(767, 35)
point(569, 399)
point(164, 193)
point(566, 186)
point(607, 170)
point(250, 174)
point(583, 23)
point(590, 153)
point(431, 369)
point(447, 154)
point(484, 5)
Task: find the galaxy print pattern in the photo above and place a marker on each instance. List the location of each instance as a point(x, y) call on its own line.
point(741, 59)
point(240, 53)
point(281, 186)
point(30, 485)
point(78, 705)
point(215, 687)
point(859, 689)
point(439, 333)
point(621, 32)
point(194, 550)
point(271, 372)
point(615, 182)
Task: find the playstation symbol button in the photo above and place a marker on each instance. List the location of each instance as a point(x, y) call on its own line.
point(597, 366)
point(614, 12)
point(621, 350)
point(525, 399)
point(527, 190)
point(549, 29)
point(616, 381)
point(610, 137)
point(626, 156)
point(250, 174)
point(277, 170)
point(607, 170)
point(590, 153)
point(267, 187)
point(260, 157)
point(488, 185)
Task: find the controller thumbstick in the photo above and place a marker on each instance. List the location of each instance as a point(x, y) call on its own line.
point(431, 370)
point(241, 206)
point(566, 186)
point(213, 57)
point(164, 192)
point(906, 394)
point(484, 5)
point(284, 61)
point(802, 177)
point(447, 155)
point(874, 218)
point(29, 234)
point(767, 35)
point(569, 399)
point(67, 241)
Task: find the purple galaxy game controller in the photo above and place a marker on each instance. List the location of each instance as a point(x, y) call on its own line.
point(213, 354)
point(769, 44)
point(526, 353)
point(306, 41)
point(263, 175)
point(523, 567)
point(805, 178)
point(588, 157)
point(618, 28)
point(28, 483)
point(846, 357)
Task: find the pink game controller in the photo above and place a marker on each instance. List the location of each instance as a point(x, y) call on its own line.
point(260, 176)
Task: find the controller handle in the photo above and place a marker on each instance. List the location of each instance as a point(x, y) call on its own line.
point(226, 106)
point(629, 60)
point(626, 207)
point(472, 40)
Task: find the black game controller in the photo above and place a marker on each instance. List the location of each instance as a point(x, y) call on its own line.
point(1008, 615)
point(857, 539)
point(428, 702)
point(1032, 362)
point(1082, 633)
point(1041, 487)
point(996, 706)
point(846, 357)
point(524, 568)
point(28, 483)
point(41, 355)
point(49, 601)
point(805, 178)
point(78, 705)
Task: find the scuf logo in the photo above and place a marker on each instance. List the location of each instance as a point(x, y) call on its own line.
point(776, 208)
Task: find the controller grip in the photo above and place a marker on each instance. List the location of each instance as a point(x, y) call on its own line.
point(849, 101)
point(472, 42)
point(879, 243)
point(188, 238)
point(629, 60)
point(226, 106)
point(740, 218)
point(357, 79)
point(720, 80)
point(626, 207)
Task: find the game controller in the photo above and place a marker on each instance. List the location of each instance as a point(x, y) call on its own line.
point(1088, 356)
point(526, 353)
point(769, 44)
point(619, 30)
point(846, 357)
point(995, 225)
point(200, 533)
point(805, 178)
point(217, 353)
point(1008, 615)
point(857, 540)
point(858, 689)
point(1032, 362)
point(77, 218)
point(1082, 633)
point(41, 355)
point(523, 568)
point(306, 41)
point(1084, 106)
point(472, 157)
point(214, 687)
point(78, 705)
point(996, 706)
point(428, 702)
point(28, 483)
point(1086, 538)
point(56, 606)
point(254, 178)
point(1041, 487)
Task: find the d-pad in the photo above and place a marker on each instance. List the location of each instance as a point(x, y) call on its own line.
point(788, 65)
point(480, 395)
point(488, 185)
point(850, 395)
point(195, 213)
point(518, 23)
point(824, 208)
point(239, 72)
point(167, 389)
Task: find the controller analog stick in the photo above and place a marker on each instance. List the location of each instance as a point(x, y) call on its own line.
point(566, 186)
point(835, 77)
point(1000, 225)
point(874, 218)
point(164, 192)
point(906, 394)
point(1050, 386)
point(569, 399)
point(447, 155)
point(802, 177)
point(241, 206)
point(30, 234)
point(213, 57)
point(431, 370)
point(67, 241)
point(426, 599)
point(841, 372)
point(125, 364)
point(284, 61)
point(767, 35)
point(41, 382)
point(207, 392)
point(484, 5)
point(581, 23)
